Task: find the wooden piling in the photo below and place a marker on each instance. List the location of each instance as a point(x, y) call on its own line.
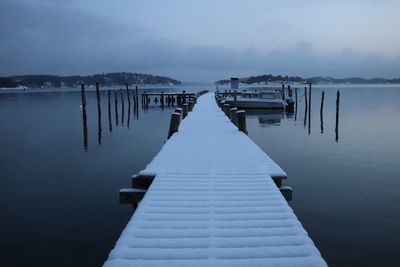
point(309, 109)
point(178, 110)
point(191, 105)
point(174, 123)
point(99, 129)
point(295, 111)
point(321, 111)
point(162, 99)
point(185, 108)
point(127, 94)
point(305, 106)
point(233, 116)
point(337, 116)
point(227, 108)
point(283, 91)
point(241, 119)
point(183, 96)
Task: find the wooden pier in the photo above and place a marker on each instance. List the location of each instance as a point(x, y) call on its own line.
point(208, 199)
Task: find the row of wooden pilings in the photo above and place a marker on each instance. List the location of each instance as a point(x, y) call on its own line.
point(140, 183)
point(118, 94)
point(168, 99)
point(237, 117)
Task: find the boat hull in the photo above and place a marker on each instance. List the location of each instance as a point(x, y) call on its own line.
point(256, 104)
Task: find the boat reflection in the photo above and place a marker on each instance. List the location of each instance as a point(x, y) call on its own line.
point(266, 117)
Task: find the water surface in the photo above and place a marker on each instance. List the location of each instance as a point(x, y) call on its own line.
point(59, 199)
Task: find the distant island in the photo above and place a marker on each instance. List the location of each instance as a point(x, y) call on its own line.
point(105, 79)
point(269, 78)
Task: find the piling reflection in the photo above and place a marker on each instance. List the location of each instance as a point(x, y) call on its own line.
point(129, 116)
point(296, 104)
point(99, 130)
point(109, 111)
point(337, 116)
point(321, 112)
point(305, 107)
point(122, 107)
point(266, 117)
point(309, 109)
point(116, 108)
point(84, 118)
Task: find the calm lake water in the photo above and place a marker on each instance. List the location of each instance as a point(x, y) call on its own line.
point(59, 200)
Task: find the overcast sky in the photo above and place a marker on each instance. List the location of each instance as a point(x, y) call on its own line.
point(201, 40)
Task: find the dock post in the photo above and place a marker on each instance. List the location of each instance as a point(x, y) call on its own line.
point(84, 118)
point(295, 111)
point(283, 91)
point(183, 96)
point(233, 116)
point(174, 123)
point(99, 130)
point(234, 96)
point(305, 106)
point(127, 94)
point(337, 116)
point(309, 109)
point(162, 99)
point(178, 110)
point(241, 118)
point(226, 109)
point(290, 93)
point(191, 105)
point(185, 108)
point(321, 111)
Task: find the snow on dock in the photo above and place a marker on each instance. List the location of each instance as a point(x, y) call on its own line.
point(213, 203)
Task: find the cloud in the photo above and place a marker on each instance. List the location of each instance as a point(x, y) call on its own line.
point(47, 39)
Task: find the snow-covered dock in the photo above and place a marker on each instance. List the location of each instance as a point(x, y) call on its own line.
point(213, 203)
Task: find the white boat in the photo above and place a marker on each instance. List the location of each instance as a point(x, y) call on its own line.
point(262, 99)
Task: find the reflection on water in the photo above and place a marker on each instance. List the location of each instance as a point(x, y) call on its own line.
point(274, 117)
point(99, 131)
point(322, 111)
point(109, 110)
point(266, 117)
point(337, 116)
point(84, 118)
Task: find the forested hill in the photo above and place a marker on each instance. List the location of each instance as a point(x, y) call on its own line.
point(269, 78)
point(105, 79)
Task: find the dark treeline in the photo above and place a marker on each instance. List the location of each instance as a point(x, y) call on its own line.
point(266, 78)
point(106, 79)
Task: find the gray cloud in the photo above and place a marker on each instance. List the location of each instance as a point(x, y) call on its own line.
point(47, 39)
